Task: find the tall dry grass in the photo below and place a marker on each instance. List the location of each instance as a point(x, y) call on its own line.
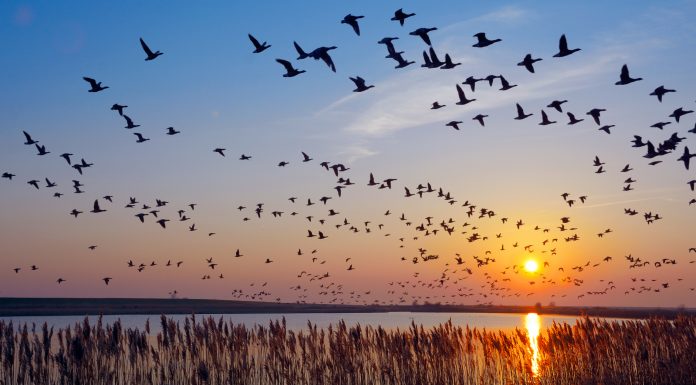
point(210, 351)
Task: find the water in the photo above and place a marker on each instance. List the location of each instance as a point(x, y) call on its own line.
point(402, 320)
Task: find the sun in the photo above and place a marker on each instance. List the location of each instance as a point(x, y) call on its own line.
point(531, 266)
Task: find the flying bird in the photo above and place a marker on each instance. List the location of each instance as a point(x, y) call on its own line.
point(423, 33)
point(96, 208)
point(401, 16)
point(625, 78)
point(118, 108)
point(528, 62)
point(258, 47)
point(482, 41)
point(563, 48)
point(353, 22)
point(290, 71)
point(95, 86)
point(360, 84)
point(29, 141)
point(150, 55)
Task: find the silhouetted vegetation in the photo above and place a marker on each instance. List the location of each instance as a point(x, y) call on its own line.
point(212, 351)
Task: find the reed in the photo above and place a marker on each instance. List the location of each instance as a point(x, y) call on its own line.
point(212, 351)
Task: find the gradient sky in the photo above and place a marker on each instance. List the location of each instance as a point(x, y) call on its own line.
point(211, 87)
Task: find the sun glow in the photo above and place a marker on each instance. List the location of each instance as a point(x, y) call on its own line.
point(531, 266)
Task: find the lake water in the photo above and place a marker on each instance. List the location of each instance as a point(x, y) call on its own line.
point(489, 321)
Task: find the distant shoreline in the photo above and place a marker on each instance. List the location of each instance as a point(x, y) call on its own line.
point(20, 307)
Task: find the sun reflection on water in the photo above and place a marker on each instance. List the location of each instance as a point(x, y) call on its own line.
point(533, 324)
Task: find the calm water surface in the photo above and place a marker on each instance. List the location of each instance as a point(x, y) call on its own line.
point(489, 321)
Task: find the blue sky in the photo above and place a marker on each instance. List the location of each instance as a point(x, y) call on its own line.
point(210, 86)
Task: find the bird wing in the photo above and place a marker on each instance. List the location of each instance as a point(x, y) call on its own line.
point(624, 72)
point(91, 81)
point(255, 42)
point(460, 92)
point(329, 62)
point(562, 43)
point(96, 205)
point(147, 49)
point(288, 66)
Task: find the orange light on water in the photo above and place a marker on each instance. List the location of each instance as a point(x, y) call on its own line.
point(533, 324)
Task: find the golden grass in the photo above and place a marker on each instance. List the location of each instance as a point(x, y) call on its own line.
point(210, 351)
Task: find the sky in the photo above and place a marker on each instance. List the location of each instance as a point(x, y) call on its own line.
point(211, 87)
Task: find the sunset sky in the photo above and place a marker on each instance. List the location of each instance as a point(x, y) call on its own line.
point(210, 86)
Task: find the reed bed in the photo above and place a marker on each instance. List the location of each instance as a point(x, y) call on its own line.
point(212, 351)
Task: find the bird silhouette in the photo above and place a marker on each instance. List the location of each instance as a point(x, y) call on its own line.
point(482, 41)
point(96, 208)
point(360, 84)
point(29, 140)
point(172, 131)
point(423, 33)
point(528, 62)
point(625, 78)
point(95, 86)
point(220, 151)
point(686, 157)
point(290, 71)
point(660, 92)
point(118, 108)
point(462, 97)
point(595, 113)
point(353, 22)
point(258, 47)
point(323, 54)
point(563, 48)
point(129, 122)
point(401, 16)
point(454, 124)
point(545, 119)
point(679, 112)
point(572, 119)
point(520, 113)
point(150, 55)
point(140, 137)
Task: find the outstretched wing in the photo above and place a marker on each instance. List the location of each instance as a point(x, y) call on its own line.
point(255, 42)
point(91, 81)
point(562, 44)
point(147, 49)
point(286, 64)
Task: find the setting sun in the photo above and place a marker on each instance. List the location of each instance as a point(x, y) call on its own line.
point(531, 266)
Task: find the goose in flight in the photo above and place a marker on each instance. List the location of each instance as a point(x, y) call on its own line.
point(29, 141)
point(360, 84)
point(220, 151)
point(258, 47)
point(563, 48)
point(290, 71)
point(140, 137)
point(172, 131)
point(107, 280)
point(118, 108)
point(423, 33)
point(462, 97)
point(679, 112)
point(96, 208)
point(150, 55)
point(625, 77)
point(686, 157)
point(660, 92)
point(129, 122)
point(483, 41)
point(353, 22)
point(401, 16)
point(95, 86)
point(545, 119)
point(323, 54)
point(528, 62)
point(520, 113)
point(42, 150)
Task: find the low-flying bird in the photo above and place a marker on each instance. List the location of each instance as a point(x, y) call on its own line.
point(96, 86)
point(352, 20)
point(258, 47)
point(625, 77)
point(360, 84)
point(290, 71)
point(150, 55)
point(401, 16)
point(563, 48)
point(528, 62)
point(482, 41)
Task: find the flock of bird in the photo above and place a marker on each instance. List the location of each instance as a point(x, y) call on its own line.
point(315, 282)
